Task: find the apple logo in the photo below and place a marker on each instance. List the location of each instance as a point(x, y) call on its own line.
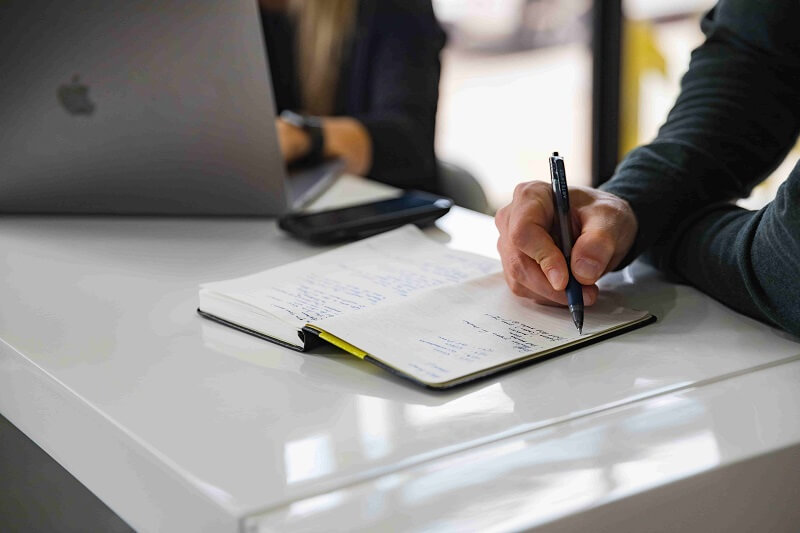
point(75, 97)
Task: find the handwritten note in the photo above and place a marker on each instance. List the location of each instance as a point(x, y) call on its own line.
point(355, 277)
point(436, 314)
point(458, 330)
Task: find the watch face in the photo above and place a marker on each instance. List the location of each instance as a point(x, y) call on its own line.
point(292, 118)
point(301, 121)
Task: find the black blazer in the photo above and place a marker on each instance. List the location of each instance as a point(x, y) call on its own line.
point(389, 82)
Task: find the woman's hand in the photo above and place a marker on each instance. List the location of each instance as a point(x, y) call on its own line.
point(345, 138)
point(294, 142)
point(534, 266)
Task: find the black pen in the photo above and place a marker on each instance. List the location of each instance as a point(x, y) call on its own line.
point(563, 233)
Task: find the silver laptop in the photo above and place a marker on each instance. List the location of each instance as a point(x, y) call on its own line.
point(141, 107)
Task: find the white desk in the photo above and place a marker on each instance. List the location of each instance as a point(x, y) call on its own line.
point(180, 424)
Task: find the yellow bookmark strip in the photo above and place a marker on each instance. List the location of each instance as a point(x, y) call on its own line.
point(339, 343)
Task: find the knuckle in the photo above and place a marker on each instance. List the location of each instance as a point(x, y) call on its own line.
point(533, 202)
point(604, 210)
point(501, 217)
point(612, 208)
point(580, 196)
point(530, 189)
point(539, 187)
point(520, 188)
point(545, 261)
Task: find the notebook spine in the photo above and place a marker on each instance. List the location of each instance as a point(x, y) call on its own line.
point(310, 338)
point(303, 338)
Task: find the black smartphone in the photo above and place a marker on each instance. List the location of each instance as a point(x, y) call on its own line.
point(363, 220)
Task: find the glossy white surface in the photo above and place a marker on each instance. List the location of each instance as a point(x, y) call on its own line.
point(107, 366)
point(539, 481)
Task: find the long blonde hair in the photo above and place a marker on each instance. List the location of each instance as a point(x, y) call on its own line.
point(324, 28)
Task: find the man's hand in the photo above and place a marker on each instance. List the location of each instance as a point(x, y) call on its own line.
point(534, 266)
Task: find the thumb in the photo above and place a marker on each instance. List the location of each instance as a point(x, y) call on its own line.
point(592, 253)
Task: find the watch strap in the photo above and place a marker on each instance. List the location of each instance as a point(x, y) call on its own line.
point(313, 127)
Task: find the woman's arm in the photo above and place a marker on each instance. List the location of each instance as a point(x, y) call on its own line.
point(345, 138)
point(397, 104)
point(392, 100)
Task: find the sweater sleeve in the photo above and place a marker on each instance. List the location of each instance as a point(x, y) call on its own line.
point(737, 116)
point(746, 259)
point(403, 93)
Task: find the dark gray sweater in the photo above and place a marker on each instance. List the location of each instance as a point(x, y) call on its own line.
point(736, 118)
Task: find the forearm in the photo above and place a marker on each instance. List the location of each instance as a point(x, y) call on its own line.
point(736, 117)
point(745, 259)
point(397, 102)
point(347, 139)
point(402, 149)
point(344, 138)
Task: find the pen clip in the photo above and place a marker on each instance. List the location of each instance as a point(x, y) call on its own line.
point(558, 177)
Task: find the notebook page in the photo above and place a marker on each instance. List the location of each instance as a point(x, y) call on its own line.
point(454, 331)
point(356, 276)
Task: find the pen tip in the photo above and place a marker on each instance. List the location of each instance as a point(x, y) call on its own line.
point(577, 318)
point(555, 154)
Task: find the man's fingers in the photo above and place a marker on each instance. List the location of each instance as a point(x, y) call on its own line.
point(535, 267)
point(525, 278)
point(590, 294)
point(517, 288)
point(527, 228)
point(544, 294)
point(534, 201)
point(538, 245)
point(501, 219)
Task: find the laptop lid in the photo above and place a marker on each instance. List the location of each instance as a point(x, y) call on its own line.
point(137, 107)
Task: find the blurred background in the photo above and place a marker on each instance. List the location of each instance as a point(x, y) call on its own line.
point(517, 85)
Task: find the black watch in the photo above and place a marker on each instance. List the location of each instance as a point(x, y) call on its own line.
point(313, 127)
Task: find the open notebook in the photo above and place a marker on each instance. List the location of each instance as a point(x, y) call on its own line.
point(437, 316)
